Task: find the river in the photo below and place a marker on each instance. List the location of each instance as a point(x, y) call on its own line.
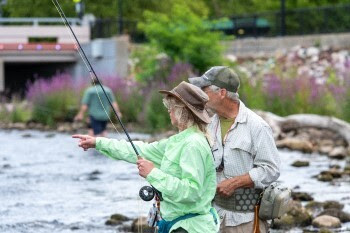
point(48, 184)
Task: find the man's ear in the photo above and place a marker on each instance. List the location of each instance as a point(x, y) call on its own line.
point(223, 93)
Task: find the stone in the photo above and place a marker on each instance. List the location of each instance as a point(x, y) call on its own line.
point(333, 205)
point(338, 153)
point(20, 126)
point(325, 149)
point(27, 135)
point(326, 221)
point(343, 216)
point(295, 144)
point(301, 196)
point(141, 224)
point(300, 163)
point(325, 178)
point(296, 216)
point(314, 206)
point(335, 173)
point(119, 217)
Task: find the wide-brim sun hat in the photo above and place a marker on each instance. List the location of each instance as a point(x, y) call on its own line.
point(193, 97)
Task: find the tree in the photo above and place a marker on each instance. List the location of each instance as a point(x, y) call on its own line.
point(182, 35)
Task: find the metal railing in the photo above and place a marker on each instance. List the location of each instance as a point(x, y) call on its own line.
point(38, 21)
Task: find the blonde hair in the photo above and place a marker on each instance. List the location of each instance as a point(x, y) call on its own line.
point(184, 116)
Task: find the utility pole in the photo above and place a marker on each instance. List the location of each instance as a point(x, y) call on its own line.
point(120, 17)
point(283, 17)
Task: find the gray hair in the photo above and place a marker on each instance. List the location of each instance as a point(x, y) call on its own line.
point(184, 116)
point(231, 95)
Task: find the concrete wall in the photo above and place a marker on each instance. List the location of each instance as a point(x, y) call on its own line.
point(268, 46)
point(107, 57)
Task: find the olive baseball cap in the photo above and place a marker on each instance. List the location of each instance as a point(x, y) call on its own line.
point(220, 76)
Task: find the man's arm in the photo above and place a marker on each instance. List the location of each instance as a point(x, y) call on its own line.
point(116, 107)
point(227, 187)
point(265, 168)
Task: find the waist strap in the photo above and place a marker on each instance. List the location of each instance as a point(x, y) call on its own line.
point(165, 226)
point(242, 200)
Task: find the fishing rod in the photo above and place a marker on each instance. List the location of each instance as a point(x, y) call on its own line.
point(146, 192)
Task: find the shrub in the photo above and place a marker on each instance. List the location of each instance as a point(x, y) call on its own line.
point(53, 99)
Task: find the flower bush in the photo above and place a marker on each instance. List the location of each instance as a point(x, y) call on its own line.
point(301, 81)
point(53, 99)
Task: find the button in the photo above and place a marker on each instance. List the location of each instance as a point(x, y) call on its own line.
point(221, 217)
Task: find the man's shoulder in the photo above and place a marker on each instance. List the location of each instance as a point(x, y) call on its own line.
point(255, 120)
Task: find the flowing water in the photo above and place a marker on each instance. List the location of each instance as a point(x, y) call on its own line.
point(48, 184)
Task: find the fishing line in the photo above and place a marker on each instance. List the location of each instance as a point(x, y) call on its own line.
point(92, 72)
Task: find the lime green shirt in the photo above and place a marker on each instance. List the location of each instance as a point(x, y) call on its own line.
point(225, 124)
point(93, 102)
point(184, 173)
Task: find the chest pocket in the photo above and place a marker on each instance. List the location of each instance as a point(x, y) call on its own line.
point(242, 147)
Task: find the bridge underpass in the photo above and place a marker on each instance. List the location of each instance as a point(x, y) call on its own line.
point(22, 63)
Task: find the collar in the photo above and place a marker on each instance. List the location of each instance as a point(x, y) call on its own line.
point(241, 116)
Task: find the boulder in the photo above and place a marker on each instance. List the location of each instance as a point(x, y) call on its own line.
point(326, 221)
point(335, 173)
point(295, 144)
point(325, 177)
point(341, 215)
point(116, 219)
point(296, 216)
point(325, 149)
point(300, 163)
point(141, 224)
point(301, 196)
point(332, 205)
point(338, 153)
point(315, 207)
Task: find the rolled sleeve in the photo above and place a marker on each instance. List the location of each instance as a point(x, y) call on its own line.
point(266, 162)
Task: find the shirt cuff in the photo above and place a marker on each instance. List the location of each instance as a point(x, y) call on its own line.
point(98, 142)
point(254, 175)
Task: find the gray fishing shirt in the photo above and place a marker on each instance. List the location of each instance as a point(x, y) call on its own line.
point(248, 147)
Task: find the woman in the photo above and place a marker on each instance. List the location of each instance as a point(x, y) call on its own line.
point(180, 167)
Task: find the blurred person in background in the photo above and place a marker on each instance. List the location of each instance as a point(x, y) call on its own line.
point(95, 102)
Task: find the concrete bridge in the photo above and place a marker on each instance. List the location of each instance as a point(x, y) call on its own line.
point(37, 45)
point(40, 47)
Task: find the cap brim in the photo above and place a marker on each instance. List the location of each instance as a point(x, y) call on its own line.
point(199, 82)
point(201, 114)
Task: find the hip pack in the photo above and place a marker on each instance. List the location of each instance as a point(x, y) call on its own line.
point(274, 201)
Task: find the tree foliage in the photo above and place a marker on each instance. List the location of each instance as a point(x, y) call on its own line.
point(182, 35)
point(133, 10)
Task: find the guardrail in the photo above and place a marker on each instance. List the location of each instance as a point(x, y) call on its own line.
point(38, 21)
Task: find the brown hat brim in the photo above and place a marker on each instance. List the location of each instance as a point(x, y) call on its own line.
point(201, 114)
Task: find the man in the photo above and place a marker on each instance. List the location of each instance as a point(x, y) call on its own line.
point(98, 112)
point(244, 150)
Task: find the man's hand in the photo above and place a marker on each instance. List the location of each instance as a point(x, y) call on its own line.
point(145, 167)
point(79, 117)
point(85, 141)
point(226, 187)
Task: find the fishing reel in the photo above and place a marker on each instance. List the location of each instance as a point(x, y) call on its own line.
point(147, 193)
